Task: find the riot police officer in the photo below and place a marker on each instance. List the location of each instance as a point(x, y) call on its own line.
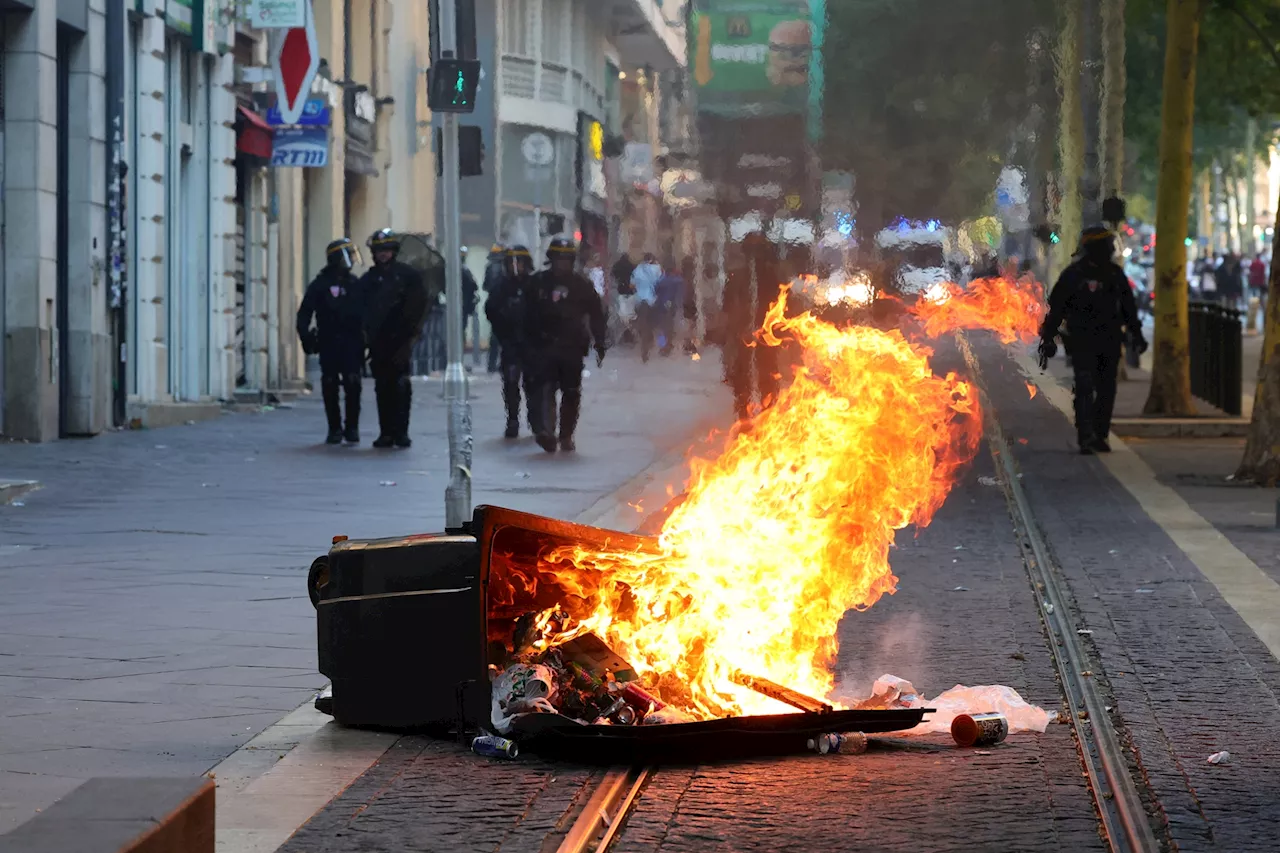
point(1093, 297)
point(397, 307)
point(507, 309)
point(335, 300)
point(565, 317)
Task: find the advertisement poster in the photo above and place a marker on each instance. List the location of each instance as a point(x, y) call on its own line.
point(752, 58)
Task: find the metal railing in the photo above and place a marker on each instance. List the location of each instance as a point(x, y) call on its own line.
point(1217, 374)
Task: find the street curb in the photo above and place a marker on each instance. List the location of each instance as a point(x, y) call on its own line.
point(1180, 427)
point(280, 779)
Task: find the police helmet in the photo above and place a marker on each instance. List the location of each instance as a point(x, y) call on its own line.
point(384, 240)
point(518, 256)
point(342, 253)
point(1097, 240)
point(562, 247)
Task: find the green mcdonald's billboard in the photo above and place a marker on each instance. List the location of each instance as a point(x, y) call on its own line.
point(752, 58)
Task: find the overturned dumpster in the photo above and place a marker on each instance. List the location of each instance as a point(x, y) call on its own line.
point(467, 630)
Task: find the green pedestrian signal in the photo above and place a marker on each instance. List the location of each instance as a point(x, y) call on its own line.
point(454, 83)
point(1054, 238)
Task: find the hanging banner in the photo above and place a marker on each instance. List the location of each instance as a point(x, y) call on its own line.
point(277, 14)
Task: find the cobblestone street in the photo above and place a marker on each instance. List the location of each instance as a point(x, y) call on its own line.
point(156, 616)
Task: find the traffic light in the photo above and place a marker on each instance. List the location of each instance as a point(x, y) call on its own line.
point(470, 151)
point(454, 83)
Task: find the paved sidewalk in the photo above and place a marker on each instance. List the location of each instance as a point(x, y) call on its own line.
point(1188, 675)
point(155, 616)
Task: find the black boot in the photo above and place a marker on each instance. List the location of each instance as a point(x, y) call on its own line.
point(570, 406)
point(384, 390)
point(513, 429)
point(404, 399)
point(329, 386)
point(352, 387)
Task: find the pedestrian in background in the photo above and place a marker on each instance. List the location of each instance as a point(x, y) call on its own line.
point(397, 306)
point(670, 301)
point(595, 274)
point(644, 279)
point(494, 272)
point(688, 269)
point(508, 311)
point(1257, 290)
point(335, 300)
point(470, 298)
point(1093, 297)
point(565, 317)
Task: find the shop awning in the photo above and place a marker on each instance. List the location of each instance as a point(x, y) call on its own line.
point(253, 134)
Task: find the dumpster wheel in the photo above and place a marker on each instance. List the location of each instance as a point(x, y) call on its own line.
point(318, 580)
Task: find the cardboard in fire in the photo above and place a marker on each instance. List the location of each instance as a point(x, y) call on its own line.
point(458, 606)
point(751, 58)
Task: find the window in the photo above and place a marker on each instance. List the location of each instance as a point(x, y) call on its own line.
point(554, 13)
point(516, 26)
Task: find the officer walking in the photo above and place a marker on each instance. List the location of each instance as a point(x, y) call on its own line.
point(335, 300)
point(565, 316)
point(507, 309)
point(397, 306)
point(1093, 297)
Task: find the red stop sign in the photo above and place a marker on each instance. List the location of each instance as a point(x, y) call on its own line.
point(296, 59)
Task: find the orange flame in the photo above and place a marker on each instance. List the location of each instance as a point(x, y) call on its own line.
point(1032, 390)
point(791, 526)
point(1013, 309)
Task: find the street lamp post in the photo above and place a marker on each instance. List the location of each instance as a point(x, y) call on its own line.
point(457, 494)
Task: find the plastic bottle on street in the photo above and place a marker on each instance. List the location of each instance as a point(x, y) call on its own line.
point(492, 746)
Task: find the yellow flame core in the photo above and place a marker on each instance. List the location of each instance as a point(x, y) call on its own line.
point(791, 526)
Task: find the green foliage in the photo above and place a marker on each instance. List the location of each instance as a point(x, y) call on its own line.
point(924, 100)
point(1236, 78)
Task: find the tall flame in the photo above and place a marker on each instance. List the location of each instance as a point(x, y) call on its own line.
point(1013, 308)
point(791, 526)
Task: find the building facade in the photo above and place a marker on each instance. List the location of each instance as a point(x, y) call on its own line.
point(55, 362)
point(159, 226)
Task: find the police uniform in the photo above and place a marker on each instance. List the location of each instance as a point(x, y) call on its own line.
point(1094, 299)
point(507, 309)
point(335, 300)
point(397, 306)
point(750, 288)
point(565, 316)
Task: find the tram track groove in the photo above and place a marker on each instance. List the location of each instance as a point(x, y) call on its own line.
point(1124, 818)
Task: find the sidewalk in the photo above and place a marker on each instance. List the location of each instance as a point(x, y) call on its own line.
point(1135, 386)
point(155, 616)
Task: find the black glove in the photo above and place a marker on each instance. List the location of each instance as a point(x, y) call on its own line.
point(310, 343)
point(1140, 344)
point(600, 357)
point(1048, 349)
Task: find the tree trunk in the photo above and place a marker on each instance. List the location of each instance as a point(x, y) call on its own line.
point(1235, 232)
point(1171, 369)
point(1113, 90)
point(1261, 462)
point(1070, 129)
point(1251, 185)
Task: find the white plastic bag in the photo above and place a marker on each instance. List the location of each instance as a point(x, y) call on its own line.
point(1022, 717)
point(520, 690)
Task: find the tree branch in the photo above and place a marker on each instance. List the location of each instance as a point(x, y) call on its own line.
point(1231, 6)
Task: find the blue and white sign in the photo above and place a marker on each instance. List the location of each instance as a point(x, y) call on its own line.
point(302, 147)
point(315, 113)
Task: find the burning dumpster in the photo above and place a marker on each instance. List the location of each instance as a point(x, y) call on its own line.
point(434, 631)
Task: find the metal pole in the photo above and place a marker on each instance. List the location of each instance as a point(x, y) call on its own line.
point(457, 495)
point(117, 245)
